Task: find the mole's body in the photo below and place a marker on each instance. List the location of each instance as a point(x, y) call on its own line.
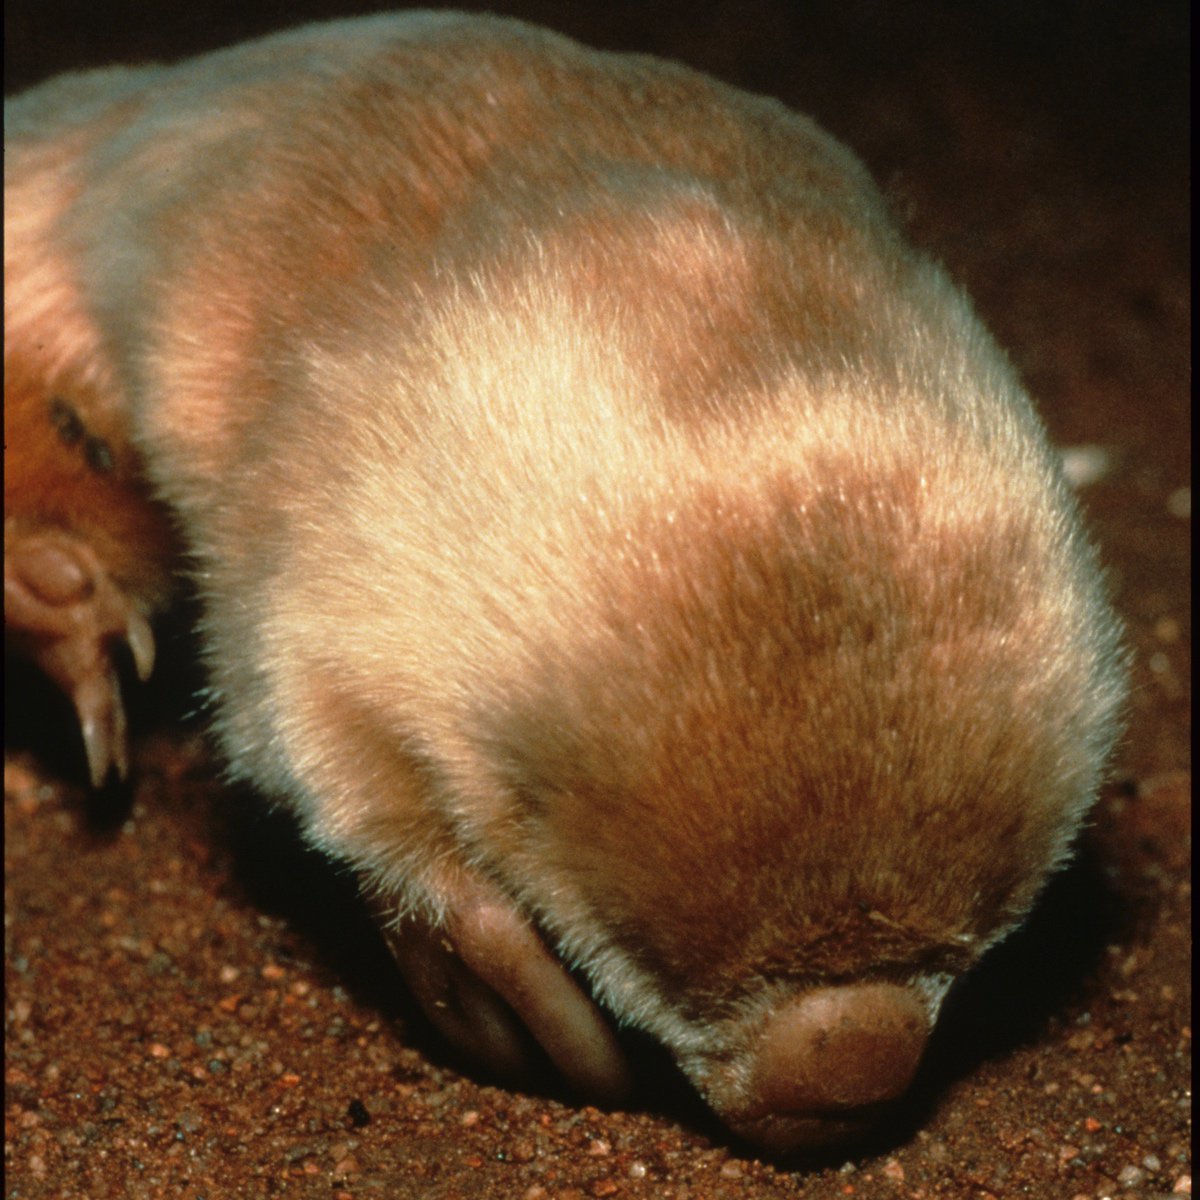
point(613, 540)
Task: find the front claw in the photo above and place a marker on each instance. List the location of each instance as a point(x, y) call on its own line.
point(65, 612)
point(487, 981)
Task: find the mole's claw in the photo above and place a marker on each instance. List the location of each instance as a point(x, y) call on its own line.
point(484, 974)
point(102, 723)
point(140, 638)
point(64, 610)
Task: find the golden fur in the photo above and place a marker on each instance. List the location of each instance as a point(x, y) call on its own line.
point(589, 491)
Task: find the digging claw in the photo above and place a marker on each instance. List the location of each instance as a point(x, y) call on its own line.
point(65, 612)
point(140, 639)
point(487, 981)
point(102, 722)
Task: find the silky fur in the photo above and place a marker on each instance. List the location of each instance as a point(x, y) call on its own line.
point(587, 487)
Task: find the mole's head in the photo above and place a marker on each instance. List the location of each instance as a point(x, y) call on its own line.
point(794, 772)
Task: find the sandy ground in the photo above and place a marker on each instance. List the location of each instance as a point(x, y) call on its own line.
point(197, 1008)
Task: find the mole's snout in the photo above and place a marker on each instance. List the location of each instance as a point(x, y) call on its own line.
point(838, 1048)
point(826, 1062)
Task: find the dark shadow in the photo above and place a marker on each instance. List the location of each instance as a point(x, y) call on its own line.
point(279, 874)
point(39, 720)
point(1024, 983)
point(1023, 986)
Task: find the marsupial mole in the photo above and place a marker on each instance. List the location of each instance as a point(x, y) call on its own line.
point(613, 539)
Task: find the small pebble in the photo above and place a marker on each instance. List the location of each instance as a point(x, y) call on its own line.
point(1179, 503)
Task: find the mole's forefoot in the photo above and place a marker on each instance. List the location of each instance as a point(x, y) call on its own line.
point(488, 983)
point(64, 611)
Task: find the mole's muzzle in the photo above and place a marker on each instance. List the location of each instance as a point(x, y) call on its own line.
point(823, 1067)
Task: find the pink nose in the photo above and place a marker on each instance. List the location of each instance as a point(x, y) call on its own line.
point(838, 1048)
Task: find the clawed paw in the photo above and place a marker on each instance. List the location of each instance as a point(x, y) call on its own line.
point(488, 983)
point(65, 612)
